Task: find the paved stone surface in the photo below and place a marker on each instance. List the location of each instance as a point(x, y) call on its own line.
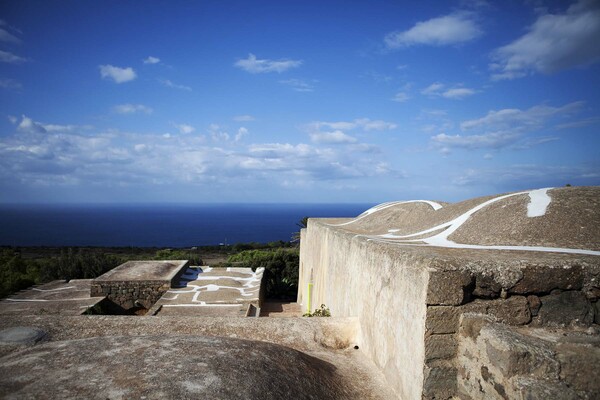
point(210, 291)
point(144, 271)
point(21, 335)
point(57, 297)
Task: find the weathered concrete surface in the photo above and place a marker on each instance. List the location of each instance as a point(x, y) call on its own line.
point(160, 354)
point(385, 288)
point(209, 291)
point(409, 270)
point(57, 297)
point(164, 271)
point(158, 367)
point(21, 335)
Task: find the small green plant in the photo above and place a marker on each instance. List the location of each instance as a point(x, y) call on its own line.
point(319, 312)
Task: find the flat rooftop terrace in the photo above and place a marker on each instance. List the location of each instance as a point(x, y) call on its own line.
point(164, 270)
point(53, 298)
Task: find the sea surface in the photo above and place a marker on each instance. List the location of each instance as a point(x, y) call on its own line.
point(159, 225)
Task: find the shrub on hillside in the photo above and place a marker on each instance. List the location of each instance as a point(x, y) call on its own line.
point(281, 269)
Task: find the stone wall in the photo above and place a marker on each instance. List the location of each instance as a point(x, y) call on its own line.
point(126, 294)
point(499, 361)
point(409, 301)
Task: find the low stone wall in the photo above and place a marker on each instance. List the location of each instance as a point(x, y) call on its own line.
point(126, 294)
point(498, 361)
point(133, 290)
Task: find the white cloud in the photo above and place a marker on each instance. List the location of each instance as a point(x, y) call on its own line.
point(132, 109)
point(579, 124)
point(529, 176)
point(254, 65)
point(531, 118)
point(553, 43)
point(298, 85)
point(244, 118)
point(335, 137)
point(119, 160)
point(456, 93)
point(492, 140)
point(117, 74)
point(507, 128)
point(10, 58)
point(28, 125)
point(10, 84)
point(170, 84)
point(217, 134)
point(365, 124)
point(450, 29)
point(5, 36)
point(151, 60)
point(400, 97)
point(241, 133)
point(184, 128)
point(433, 89)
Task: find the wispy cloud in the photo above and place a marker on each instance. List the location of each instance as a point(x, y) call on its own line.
point(172, 85)
point(365, 124)
point(458, 93)
point(67, 157)
point(10, 84)
point(184, 128)
point(117, 74)
point(529, 175)
point(28, 125)
point(243, 118)
point(10, 58)
point(449, 29)
point(511, 118)
point(298, 85)
point(151, 60)
point(334, 137)
point(255, 65)
point(5, 36)
point(553, 43)
point(440, 90)
point(506, 128)
point(401, 97)
point(132, 109)
point(493, 140)
point(241, 133)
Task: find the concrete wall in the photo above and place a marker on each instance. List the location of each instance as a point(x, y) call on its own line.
point(385, 288)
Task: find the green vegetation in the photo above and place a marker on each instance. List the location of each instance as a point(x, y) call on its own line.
point(23, 267)
point(281, 269)
point(302, 224)
point(319, 312)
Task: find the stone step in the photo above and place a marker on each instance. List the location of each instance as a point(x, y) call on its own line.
point(280, 309)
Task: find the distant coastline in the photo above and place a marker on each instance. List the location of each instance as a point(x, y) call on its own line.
point(158, 225)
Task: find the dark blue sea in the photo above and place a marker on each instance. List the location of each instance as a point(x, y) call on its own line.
point(158, 225)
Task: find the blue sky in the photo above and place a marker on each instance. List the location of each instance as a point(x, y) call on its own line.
point(296, 101)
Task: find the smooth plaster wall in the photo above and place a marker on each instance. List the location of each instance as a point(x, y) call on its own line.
point(383, 287)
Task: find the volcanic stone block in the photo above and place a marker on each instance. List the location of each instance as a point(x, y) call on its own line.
point(448, 287)
point(561, 309)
